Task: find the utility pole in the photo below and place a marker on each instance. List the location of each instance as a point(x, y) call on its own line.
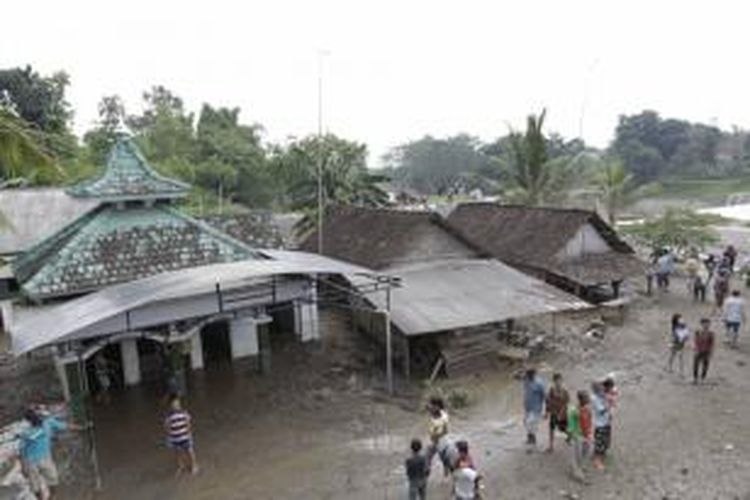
point(321, 54)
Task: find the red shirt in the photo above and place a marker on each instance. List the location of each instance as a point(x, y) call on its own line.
point(584, 418)
point(704, 341)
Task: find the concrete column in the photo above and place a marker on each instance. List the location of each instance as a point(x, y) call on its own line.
point(196, 352)
point(62, 373)
point(131, 366)
point(6, 309)
point(243, 337)
point(306, 317)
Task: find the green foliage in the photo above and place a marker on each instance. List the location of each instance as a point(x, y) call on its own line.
point(22, 152)
point(652, 147)
point(101, 138)
point(440, 166)
point(680, 229)
point(345, 178)
point(617, 188)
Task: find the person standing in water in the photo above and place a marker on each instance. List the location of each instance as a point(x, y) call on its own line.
point(178, 425)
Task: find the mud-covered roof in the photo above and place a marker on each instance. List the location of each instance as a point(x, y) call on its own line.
point(127, 176)
point(527, 235)
point(33, 214)
point(113, 245)
point(380, 237)
point(256, 229)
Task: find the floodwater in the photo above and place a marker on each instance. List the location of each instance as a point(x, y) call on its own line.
point(307, 430)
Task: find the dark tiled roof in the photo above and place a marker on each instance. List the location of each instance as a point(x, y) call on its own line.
point(533, 237)
point(111, 245)
point(127, 176)
point(257, 230)
point(378, 238)
point(527, 235)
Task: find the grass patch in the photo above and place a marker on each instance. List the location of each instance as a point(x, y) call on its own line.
point(707, 190)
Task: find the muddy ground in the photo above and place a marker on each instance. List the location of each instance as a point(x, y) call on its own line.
point(320, 426)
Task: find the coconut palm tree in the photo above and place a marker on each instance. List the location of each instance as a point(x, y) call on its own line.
point(21, 152)
point(618, 188)
point(529, 164)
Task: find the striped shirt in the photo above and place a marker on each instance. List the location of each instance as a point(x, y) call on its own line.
point(178, 426)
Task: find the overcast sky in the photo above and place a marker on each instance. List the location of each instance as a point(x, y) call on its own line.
point(398, 69)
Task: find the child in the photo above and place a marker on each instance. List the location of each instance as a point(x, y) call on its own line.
point(466, 479)
point(437, 429)
point(602, 424)
point(557, 406)
point(180, 437)
point(417, 471)
point(679, 336)
point(579, 433)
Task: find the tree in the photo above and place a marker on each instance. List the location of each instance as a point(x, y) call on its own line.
point(40, 101)
point(345, 178)
point(439, 166)
point(22, 154)
point(100, 139)
point(617, 188)
point(679, 229)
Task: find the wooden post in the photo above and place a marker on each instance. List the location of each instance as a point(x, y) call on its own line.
point(407, 358)
point(388, 351)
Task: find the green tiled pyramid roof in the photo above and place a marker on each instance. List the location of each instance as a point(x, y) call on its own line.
point(127, 176)
point(112, 245)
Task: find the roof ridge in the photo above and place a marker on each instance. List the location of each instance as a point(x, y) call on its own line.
point(525, 207)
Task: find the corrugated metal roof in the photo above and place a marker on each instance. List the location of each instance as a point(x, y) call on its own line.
point(48, 326)
point(449, 294)
point(34, 214)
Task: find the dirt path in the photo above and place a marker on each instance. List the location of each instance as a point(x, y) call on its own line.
point(329, 437)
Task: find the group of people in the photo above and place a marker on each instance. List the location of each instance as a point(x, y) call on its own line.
point(585, 422)
point(456, 460)
point(702, 274)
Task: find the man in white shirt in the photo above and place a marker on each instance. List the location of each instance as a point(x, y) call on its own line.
point(734, 316)
point(465, 482)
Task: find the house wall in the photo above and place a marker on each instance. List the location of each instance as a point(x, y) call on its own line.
point(586, 241)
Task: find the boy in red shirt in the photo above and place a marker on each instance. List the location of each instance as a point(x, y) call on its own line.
point(704, 348)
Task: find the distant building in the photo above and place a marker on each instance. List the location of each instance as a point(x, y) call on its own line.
point(569, 248)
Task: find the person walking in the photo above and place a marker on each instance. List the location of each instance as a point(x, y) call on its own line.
point(417, 470)
point(704, 347)
point(692, 266)
point(178, 425)
point(36, 451)
point(557, 409)
point(700, 283)
point(578, 430)
point(664, 269)
point(437, 432)
point(730, 256)
point(533, 405)
point(602, 424)
point(721, 286)
point(679, 336)
point(734, 317)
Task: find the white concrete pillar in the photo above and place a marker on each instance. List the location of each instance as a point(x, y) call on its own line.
point(196, 352)
point(306, 321)
point(243, 337)
point(6, 309)
point(131, 366)
point(63, 375)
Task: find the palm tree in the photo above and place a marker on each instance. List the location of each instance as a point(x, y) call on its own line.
point(618, 188)
point(21, 152)
point(529, 160)
point(345, 178)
